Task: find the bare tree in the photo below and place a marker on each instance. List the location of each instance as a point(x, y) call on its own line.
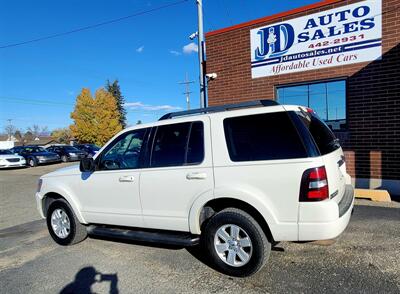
point(37, 131)
point(10, 130)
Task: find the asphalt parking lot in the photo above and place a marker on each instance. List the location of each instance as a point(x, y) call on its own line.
point(365, 259)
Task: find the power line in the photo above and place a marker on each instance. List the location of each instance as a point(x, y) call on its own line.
point(93, 25)
point(187, 90)
point(62, 104)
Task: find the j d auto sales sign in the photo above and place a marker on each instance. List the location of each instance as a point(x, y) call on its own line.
point(340, 36)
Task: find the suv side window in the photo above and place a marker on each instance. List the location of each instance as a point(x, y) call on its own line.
point(178, 144)
point(124, 152)
point(268, 136)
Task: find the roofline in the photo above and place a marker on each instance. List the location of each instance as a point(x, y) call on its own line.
point(273, 17)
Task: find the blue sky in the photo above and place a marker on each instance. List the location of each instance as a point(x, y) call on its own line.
point(39, 81)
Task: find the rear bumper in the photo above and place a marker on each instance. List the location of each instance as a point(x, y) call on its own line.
point(325, 219)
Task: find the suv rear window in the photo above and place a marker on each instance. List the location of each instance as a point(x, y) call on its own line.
point(262, 137)
point(322, 134)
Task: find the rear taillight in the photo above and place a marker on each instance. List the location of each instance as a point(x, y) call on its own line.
point(314, 185)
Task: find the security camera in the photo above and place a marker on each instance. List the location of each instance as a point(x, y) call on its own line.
point(211, 76)
point(193, 36)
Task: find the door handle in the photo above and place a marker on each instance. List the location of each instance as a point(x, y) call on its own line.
point(196, 176)
point(127, 179)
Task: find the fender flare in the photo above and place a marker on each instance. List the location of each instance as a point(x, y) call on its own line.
point(255, 198)
point(67, 196)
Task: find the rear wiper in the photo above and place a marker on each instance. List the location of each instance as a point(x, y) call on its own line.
point(335, 142)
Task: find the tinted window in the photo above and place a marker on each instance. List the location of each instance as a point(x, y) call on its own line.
point(4, 152)
point(71, 149)
point(195, 151)
point(34, 149)
point(323, 136)
point(124, 152)
point(172, 146)
point(262, 137)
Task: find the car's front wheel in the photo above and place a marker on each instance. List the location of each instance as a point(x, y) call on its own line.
point(63, 225)
point(32, 162)
point(236, 243)
point(64, 158)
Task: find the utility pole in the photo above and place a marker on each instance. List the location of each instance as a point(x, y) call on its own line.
point(202, 62)
point(187, 90)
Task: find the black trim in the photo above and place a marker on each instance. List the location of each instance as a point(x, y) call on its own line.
point(152, 236)
point(221, 108)
point(346, 200)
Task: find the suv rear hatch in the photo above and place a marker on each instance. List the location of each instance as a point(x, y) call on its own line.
point(330, 150)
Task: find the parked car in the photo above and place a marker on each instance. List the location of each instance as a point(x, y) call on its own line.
point(91, 149)
point(236, 182)
point(67, 153)
point(8, 159)
point(35, 155)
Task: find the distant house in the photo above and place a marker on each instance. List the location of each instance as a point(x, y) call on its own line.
point(5, 143)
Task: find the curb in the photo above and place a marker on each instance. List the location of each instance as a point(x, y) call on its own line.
point(374, 195)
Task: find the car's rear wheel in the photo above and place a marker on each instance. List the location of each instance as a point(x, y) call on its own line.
point(32, 162)
point(63, 225)
point(64, 158)
point(236, 243)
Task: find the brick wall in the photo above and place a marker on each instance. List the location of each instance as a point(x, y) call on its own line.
point(372, 141)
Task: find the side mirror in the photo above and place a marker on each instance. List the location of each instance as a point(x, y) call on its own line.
point(87, 165)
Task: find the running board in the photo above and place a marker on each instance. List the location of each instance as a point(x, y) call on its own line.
point(164, 237)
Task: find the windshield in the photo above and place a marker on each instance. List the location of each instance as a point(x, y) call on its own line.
point(34, 149)
point(94, 147)
point(71, 149)
point(3, 152)
point(91, 147)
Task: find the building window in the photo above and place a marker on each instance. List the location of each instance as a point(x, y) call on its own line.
point(327, 99)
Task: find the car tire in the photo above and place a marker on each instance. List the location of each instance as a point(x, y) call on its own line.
point(249, 247)
point(32, 162)
point(64, 158)
point(63, 225)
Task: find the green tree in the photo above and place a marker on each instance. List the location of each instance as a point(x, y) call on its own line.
point(97, 119)
point(115, 90)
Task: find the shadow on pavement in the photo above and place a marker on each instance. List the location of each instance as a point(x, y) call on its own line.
point(88, 276)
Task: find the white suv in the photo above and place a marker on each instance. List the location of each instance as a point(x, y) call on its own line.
point(234, 178)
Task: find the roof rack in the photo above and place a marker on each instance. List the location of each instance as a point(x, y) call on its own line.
point(254, 103)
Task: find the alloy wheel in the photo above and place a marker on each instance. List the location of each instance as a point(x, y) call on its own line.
point(60, 223)
point(233, 245)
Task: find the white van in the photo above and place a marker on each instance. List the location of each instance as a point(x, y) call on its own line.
point(234, 178)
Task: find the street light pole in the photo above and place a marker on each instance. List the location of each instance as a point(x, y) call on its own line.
point(201, 45)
